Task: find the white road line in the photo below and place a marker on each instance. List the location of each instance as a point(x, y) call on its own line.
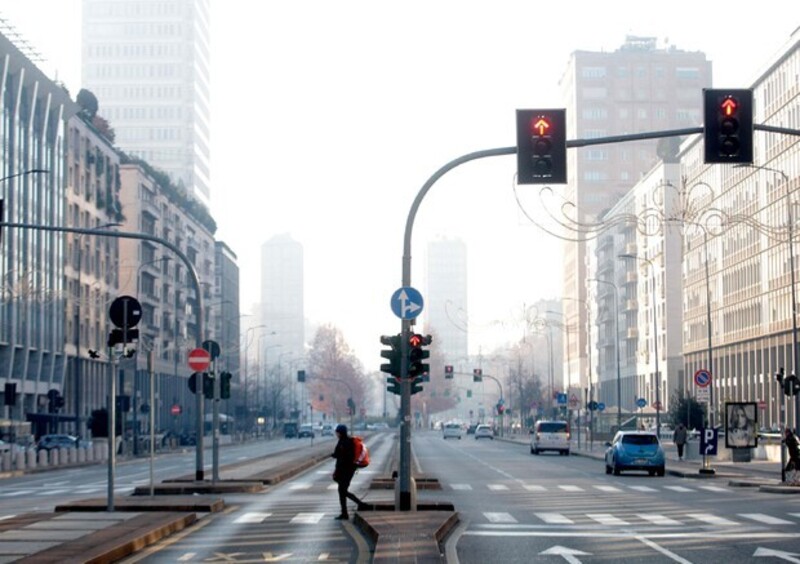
point(333, 487)
point(14, 494)
point(711, 519)
point(571, 488)
point(678, 489)
point(534, 488)
point(324, 555)
point(300, 486)
point(642, 488)
point(555, 518)
point(606, 519)
point(461, 486)
point(307, 518)
point(658, 519)
point(769, 520)
point(52, 492)
point(4, 517)
point(715, 489)
point(87, 491)
point(795, 514)
point(663, 550)
point(500, 518)
point(498, 487)
point(610, 489)
point(186, 557)
point(252, 517)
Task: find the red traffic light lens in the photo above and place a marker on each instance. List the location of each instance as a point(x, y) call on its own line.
point(540, 126)
point(729, 106)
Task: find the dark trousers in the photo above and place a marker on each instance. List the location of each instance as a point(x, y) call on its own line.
point(680, 449)
point(344, 484)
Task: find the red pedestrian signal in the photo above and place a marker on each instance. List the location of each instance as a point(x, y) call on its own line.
point(448, 372)
point(541, 146)
point(728, 126)
point(416, 354)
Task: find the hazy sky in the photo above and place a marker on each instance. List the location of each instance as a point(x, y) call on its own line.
point(328, 117)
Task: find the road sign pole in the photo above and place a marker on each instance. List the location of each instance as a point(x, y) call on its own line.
point(199, 401)
point(215, 424)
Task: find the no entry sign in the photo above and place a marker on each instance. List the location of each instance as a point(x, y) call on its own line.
point(199, 359)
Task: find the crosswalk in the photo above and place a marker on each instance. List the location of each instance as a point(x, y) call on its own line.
point(572, 488)
point(44, 492)
point(639, 519)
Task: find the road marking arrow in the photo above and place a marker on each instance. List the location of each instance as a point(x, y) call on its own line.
point(783, 555)
point(567, 554)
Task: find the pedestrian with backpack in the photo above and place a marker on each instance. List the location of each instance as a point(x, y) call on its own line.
point(344, 453)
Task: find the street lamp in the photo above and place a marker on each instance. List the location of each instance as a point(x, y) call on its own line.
point(616, 346)
point(655, 336)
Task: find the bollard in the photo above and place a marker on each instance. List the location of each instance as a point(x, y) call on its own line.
point(30, 462)
point(19, 460)
point(6, 461)
point(42, 456)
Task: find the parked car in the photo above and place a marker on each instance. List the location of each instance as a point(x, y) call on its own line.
point(484, 432)
point(50, 442)
point(635, 450)
point(306, 431)
point(451, 431)
point(550, 435)
point(289, 430)
point(327, 430)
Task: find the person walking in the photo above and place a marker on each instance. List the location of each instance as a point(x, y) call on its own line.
point(344, 453)
point(793, 446)
point(679, 438)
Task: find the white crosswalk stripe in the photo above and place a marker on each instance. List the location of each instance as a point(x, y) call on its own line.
point(461, 486)
point(307, 518)
point(333, 487)
point(300, 487)
point(571, 488)
point(52, 492)
point(498, 487)
point(678, 489)
point(535, 488)
point(711, 519)
point(656, 519)
point(16, 493)
point(767, 519)
point(609, 489)
point(606, 519)
point(500, 518)
point(715, 489)
point(252, 517)
point(643, 488)
point(555, 518)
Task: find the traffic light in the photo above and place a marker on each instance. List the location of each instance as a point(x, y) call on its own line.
point(208, 385)
point(193, 382)
point(301, 376)
point(477, 375)
point(225, 385)
point(416, 354)
point(779, 376)
point(728, 125)
point(448, 372)
point(791, 386)
point(351, 406)
point(117, 337)
point(541, 146)
point(394, 386)
point(393, 354)
point(416, 385)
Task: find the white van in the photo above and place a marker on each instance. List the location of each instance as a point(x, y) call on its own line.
point(451, 431)
point(550, 435)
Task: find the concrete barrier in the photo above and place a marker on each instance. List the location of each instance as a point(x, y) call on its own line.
point(30, 463)
point(19, 460)
point(44, 459)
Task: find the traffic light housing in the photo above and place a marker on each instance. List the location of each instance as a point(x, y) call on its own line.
point(448, 372)
point(225, 385)
point(477, 375)
point(416, 385)
point(542, 146)
point(791, 385)
point(351, 406)
point(392, 354)
point(394, 386)
point(728, 125)
point(301, 376)
point(416, 354)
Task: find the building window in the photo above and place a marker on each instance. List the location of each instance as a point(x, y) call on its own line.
point(687, 73)
point(593, 72)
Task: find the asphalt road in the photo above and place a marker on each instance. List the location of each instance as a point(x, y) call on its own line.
point(291, 522)
point(516, 507)
point(42, 491)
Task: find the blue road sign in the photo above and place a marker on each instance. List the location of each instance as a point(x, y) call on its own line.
point(708, 441)
point(407, 303)
point(702, 378)
point(561, 398)
point(601, 406)
point(641, 402)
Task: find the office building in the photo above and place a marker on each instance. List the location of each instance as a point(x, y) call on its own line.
point(446, 308)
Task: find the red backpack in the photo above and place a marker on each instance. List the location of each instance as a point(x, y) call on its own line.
point(361, 459)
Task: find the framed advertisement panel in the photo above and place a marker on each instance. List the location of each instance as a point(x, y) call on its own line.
point(741, 425)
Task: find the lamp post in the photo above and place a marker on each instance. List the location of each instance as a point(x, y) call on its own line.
point(655, 337)
point(77, 329)
point(616, 346)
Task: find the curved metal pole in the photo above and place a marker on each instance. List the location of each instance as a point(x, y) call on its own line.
point(195, 279)
point(404, 481)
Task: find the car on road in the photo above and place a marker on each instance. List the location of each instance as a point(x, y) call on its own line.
point(306, 431)
point(327, 430)
point(50, 442)
point(635, 450)
point(451, 431)
point(484, 432)
point(289, 430)
point(550, 435)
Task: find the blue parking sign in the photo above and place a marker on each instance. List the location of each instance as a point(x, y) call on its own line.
point(708, 441)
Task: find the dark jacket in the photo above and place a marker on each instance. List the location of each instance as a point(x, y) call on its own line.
point(793, 447)
point(679, 437)
point(345, 454)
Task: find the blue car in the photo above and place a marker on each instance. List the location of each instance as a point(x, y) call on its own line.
point(635, 450)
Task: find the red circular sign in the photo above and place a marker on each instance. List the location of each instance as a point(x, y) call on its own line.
point(199, 359)
point(657, 405)
point(175, 409)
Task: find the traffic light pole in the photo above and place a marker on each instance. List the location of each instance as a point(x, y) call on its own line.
point(195, 281)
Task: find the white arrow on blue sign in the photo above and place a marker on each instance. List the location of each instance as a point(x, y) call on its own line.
point(407, 303)
point(641, 402)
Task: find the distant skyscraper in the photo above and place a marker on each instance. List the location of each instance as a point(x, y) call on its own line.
point(282, 312)
point(639, 87)
point(147, 61)
point(446, 298)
